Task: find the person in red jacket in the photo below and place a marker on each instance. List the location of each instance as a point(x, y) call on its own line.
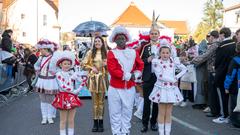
point(124, 66)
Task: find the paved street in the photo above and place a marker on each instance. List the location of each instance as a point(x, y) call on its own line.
point(21, 116)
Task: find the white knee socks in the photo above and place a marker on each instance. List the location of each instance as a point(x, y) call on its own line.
point(168, 128)
point(161, 128)
point(70, 131)
point(44, 110)
point(63, 132)
point(50, 111)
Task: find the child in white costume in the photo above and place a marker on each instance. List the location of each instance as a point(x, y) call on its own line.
point(46, 83)
point(67, 99)
point(165, 91)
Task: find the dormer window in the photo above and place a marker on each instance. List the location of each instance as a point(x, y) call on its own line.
point(44, 20)
point(24, 34)
point(22, 16)
point(237, 16)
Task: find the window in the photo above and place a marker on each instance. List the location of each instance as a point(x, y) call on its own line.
point(24, 34)
point(22, 16)
point(44, 20)
point(237, 16)
point(238, 19)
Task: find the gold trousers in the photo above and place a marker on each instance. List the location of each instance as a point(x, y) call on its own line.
point(98, 105)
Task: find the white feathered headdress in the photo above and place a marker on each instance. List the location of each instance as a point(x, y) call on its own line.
point(45, 43)
point(166, 41)
point(154, 25)
point(60, 56)
point(119, 30)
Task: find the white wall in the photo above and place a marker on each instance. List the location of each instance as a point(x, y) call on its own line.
point(34, 29)
point(230, 20)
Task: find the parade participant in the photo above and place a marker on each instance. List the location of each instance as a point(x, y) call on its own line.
point(67, 99)
point(124, 65)
point(45, 81)
point(165, 91)
point(147, 53)
point(95, 62)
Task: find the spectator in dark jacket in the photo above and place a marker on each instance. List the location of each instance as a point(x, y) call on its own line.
point(30, 59)
point(209, 56)
point(6, 43)
point(231, 84)
point(224, 54)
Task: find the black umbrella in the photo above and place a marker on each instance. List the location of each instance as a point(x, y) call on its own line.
point(87, 29)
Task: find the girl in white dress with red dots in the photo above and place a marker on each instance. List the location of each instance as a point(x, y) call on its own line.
point(165, 91)
point(67, 99)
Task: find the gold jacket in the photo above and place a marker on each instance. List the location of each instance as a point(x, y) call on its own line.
point(97, 82)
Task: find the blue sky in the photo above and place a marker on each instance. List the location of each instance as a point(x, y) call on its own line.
point(73, 12)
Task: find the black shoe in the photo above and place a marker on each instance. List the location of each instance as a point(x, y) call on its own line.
point(199, 106)
point(95, 126)
point(100, 126)
point(144, 129)
point(211, 115)
point(154, 127)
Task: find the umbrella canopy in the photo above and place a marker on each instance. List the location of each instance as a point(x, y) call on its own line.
point(87, 29)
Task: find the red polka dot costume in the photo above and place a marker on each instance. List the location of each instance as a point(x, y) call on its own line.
point(67, 98)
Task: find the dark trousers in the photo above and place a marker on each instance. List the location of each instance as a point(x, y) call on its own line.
point(187, 95)
point(223, 98)
point(234, 116)
point(233, 102)
point(213, 99)
point(29, 81)
point(147, 89)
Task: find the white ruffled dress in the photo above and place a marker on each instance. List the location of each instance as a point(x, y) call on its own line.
point(46, 83)
point(165, 89)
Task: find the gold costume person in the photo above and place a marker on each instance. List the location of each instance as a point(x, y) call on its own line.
point(95, 63)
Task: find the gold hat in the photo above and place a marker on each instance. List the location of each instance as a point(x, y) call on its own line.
point(154, 22)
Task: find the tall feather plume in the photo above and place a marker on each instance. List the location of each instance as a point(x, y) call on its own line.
point(154, 22)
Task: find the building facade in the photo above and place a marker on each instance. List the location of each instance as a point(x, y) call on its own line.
point(31, 20)
point(231, 17)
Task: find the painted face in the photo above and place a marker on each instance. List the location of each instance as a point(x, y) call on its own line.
point(154, 34)
point(120, 40)
point(165, 53)
point(98, 43)
point(65, 65)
